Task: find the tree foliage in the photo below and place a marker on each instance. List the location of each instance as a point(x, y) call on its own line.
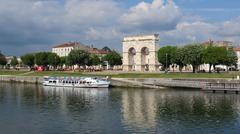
point(193, 55)
point(179, 58)
point(78, 57)
point(14, 61)
point(28, 59)
point(3, 60)
point(94, 60)
point(167, 55)
point(113, 58)
point(230, 58)
point(41, 58)
point(63, 60)
point(53, 59)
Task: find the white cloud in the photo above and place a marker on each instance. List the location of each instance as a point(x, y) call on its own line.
point(156, 15)
point(35, 25)
point(230, 28)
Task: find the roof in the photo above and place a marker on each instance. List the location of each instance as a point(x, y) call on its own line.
point(236, 49)
point(98, 51)
point(67, 44)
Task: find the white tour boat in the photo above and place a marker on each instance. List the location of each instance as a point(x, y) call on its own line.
point(81, 82)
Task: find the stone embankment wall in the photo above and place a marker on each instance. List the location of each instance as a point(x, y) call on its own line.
point(22, 79)
point(134, 83)
point(163, 82)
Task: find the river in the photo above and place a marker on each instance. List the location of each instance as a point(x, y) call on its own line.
point(33, 109)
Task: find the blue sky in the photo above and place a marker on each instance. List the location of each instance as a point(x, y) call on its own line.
point(38, 25)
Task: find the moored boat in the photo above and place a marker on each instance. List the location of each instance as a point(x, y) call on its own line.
point(81, 82)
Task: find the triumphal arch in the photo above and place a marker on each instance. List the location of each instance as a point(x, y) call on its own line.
point(140, 53)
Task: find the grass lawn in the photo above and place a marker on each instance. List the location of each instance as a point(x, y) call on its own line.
point(11, 72)
point(122, 74)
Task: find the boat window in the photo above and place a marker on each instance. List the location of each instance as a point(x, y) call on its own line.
point(63, 81)
point(54, 81)
point(50, 81)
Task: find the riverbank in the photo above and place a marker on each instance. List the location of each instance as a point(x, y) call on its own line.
point(121, 74)
point(157, 83)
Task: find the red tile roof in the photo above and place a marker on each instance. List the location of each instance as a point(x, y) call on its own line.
point(68, 44)
point(236, 49)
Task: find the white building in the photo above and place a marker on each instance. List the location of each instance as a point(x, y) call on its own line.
point(140, 53)
point(237, 50)
point(64, 49)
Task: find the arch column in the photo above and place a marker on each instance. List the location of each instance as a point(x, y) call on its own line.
point(138, 64)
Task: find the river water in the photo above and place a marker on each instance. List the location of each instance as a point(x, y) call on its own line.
point(32, 109)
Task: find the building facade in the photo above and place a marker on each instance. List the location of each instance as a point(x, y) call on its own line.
point(64, 49)
point(140, 53)
point(237, 51)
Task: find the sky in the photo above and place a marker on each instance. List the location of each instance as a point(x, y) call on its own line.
point(28, 26)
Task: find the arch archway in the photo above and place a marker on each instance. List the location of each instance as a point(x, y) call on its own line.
point(145, 59)
point(131, 58)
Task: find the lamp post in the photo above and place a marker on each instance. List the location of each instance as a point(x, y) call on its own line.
point(166, 69)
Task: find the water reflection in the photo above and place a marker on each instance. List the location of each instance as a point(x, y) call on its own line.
point(155, 111)
point(76, 110)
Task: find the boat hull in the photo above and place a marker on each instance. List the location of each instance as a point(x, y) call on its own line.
point(78, 85)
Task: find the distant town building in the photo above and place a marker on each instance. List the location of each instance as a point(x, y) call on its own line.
point(140, 53)
point(64, 49)
point(227, 44)
point(237, 50)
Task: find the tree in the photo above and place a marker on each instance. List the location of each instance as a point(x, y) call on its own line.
point(3, 60)
point(14, 61)
point(106, 49)
point(167, 55)
point(78, 57)
point(179, 57)
point(230, 58)
point(95, 60)
point(53, 59)
point(28, 59)
point(41, 58)
point(63, 60)
point(113, 58)
point(193, 55)
point(211, 56)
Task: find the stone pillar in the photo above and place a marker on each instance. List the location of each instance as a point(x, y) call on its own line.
point(138, 57)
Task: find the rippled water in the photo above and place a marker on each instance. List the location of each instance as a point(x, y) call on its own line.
point(31, 109)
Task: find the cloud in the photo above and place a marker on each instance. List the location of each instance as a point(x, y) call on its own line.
point(31, 23)
point(37, 25)
point(230, 28)
point(157, 15)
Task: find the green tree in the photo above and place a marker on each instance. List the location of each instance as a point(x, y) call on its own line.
point(14, 61)
point(3, 60)
point(78, 57)
point(230, 58)
point(113, 58)
point(167, 55)
point(53, 59)
point(193, 55)
point(106, 49)
point(63, 60)
point(210, 56)
point(179, 57)
point(95, 60)
point(28, 59)
point(41, 58)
